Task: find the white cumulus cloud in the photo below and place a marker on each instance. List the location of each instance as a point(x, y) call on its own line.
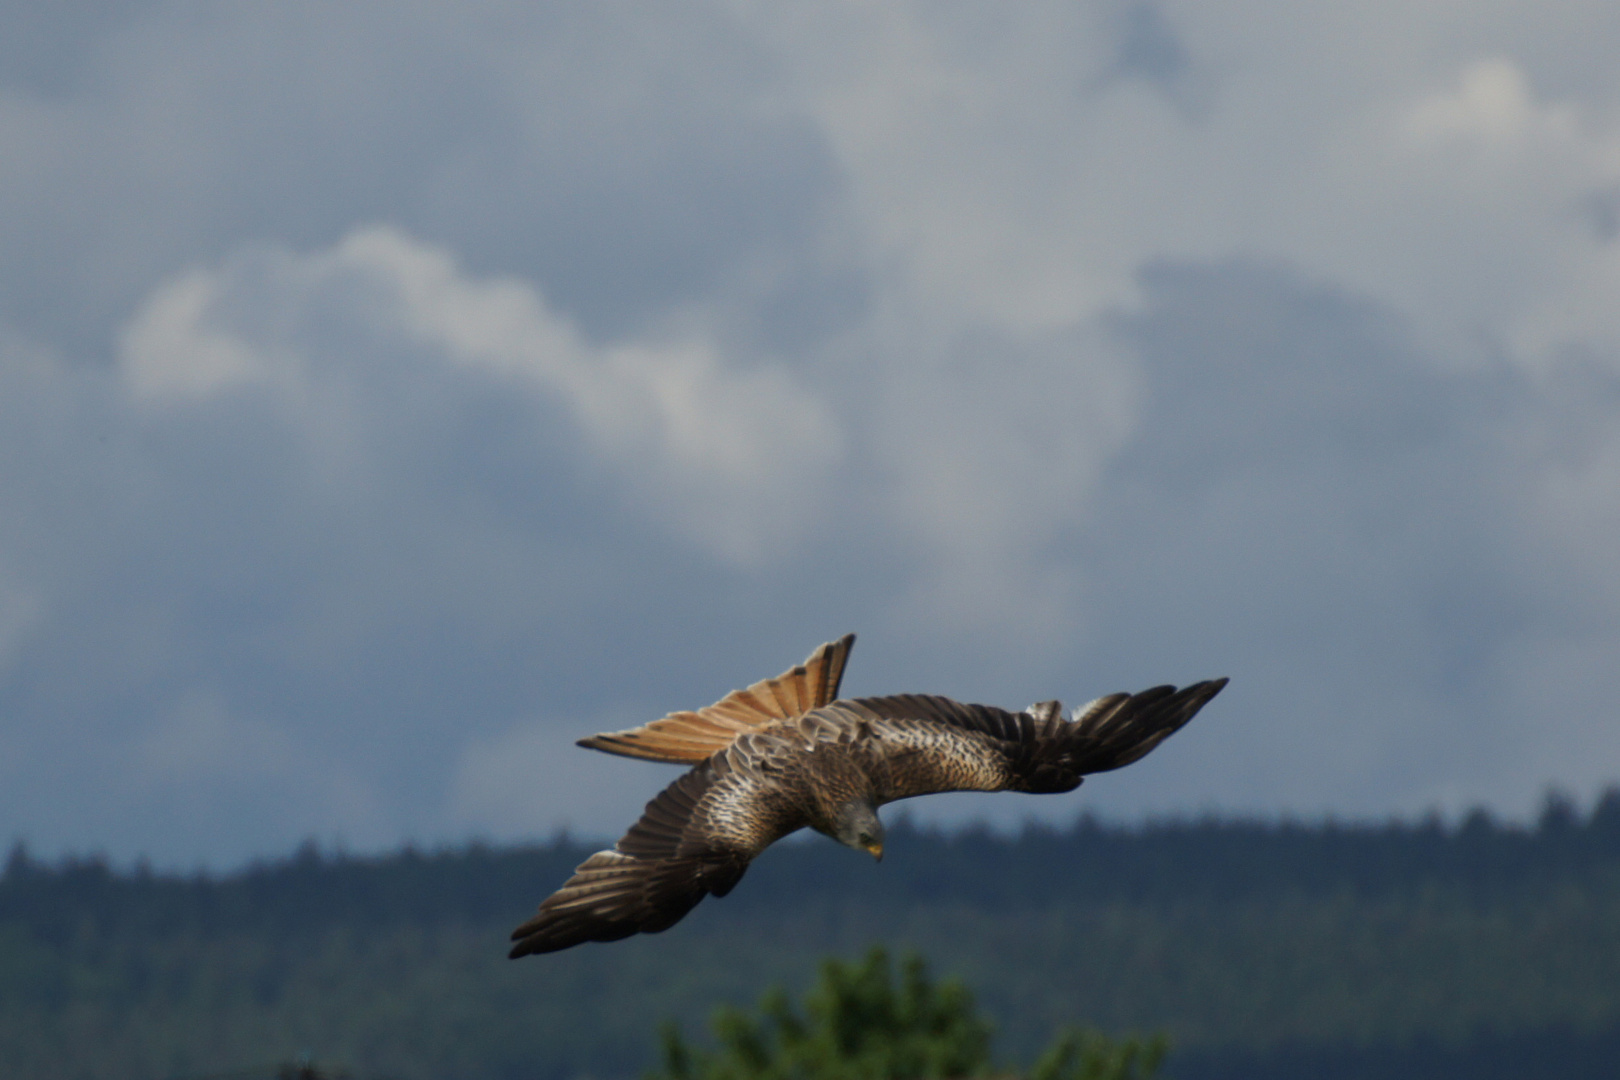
point(736, 454)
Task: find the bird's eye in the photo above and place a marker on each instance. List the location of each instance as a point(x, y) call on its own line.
point(866, 838)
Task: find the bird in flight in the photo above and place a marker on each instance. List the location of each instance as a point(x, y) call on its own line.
point(787, 753)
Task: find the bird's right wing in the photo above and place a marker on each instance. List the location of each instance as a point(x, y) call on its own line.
point(695, 838)
point(692, 736)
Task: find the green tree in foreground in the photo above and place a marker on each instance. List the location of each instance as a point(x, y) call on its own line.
point(860, 1023)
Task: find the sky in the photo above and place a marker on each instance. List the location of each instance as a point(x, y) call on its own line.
point(392, 393)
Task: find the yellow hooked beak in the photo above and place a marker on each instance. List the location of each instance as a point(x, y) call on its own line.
point(876, 848)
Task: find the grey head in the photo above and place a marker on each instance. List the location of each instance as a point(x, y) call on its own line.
point(856, 824)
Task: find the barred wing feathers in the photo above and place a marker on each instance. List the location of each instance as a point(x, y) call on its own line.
point(694, 735)
point(695, 839)
point(925, 744)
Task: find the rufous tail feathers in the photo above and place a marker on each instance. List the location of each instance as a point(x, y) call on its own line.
point(688, 737)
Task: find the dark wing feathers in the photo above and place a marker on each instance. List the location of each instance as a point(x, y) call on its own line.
point(1039, 750)
point(669, 861)
point(997, 723)
point(674, 823)
point(1118, 730)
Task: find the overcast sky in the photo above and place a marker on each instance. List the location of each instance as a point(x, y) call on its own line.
point(392, 393)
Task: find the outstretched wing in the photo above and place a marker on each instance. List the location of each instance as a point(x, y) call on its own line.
point(695, 839)
point(920, 744)
point(1119, 729)
point(692, 736)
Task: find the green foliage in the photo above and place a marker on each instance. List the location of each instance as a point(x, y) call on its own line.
point(1088, 1055)
point(859, 1023)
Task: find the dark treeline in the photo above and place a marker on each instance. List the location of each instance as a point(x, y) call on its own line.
point(1265, 950)
point(1087, 863)
point(1557, 1054)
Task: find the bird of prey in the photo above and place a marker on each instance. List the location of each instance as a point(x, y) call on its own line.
point(787, 753)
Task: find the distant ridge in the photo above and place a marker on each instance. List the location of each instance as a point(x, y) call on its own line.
point(1265, 950)
point(1088, 860)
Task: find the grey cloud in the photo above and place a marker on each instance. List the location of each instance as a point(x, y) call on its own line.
point(383, 602)
point(55, 50)
point(271, 609)
point(1600, 210)
point(1301, 476)
point(625, 158)
point(359, 587)
point(1149, 49)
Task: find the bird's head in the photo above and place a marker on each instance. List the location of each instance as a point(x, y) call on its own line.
point(858, 826)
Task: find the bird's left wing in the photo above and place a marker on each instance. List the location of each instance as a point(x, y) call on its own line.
point(921, 744)
point(695, 838)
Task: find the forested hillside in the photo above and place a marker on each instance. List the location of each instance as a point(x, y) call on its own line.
point(1261, 950)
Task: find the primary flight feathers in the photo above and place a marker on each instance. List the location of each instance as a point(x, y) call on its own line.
point(785, 754)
